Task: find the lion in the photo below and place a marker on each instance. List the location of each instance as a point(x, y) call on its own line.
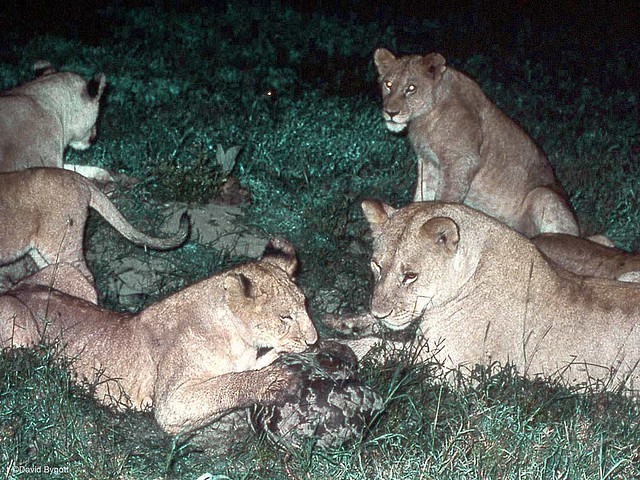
point(468, 150)
point(484, 293)
point(43, 212)
point(192, 357)
point(584, 256)
point(41, 118)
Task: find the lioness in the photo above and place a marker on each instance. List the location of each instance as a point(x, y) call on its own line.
point(585, 257)
point(196, 354)
point(489, 295)
point(468, 150)
point(43, 212)
point(40, 118)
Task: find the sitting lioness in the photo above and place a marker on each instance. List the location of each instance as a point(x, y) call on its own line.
point(193, 356)
point(41, 118)
point(489, 295)
point(468, 150)
point(583, 256)
point(43, 212)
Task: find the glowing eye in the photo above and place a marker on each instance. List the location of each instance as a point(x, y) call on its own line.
point(409, 278)
point(388, 84)
point(411, 88)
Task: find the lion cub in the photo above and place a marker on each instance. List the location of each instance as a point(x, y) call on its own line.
point(41, 118)
point(193, 356)
point(468, 150)
point(43, 212)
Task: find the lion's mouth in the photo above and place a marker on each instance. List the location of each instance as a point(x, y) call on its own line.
point(394, 126)
point(398, 327)
point(292, 348)
point(398, 323)
point(405, 319)
point(80, 144)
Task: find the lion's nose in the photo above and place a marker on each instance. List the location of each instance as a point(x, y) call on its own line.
point(312, 338)
point(392, 113)
point(378, 314)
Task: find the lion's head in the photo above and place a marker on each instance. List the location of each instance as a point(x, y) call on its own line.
point(75, 100)
point(264, 296)
point(408, 85)
point(419, 260)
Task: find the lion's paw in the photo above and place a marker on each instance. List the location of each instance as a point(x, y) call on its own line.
point(281, 385)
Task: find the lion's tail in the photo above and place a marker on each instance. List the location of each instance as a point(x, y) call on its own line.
point(101, 203)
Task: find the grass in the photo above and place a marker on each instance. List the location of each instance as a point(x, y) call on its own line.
point(298, 93)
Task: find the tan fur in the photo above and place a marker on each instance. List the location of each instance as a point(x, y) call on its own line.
point(490, 295)
point(468, 150)
point(41, 118)
point(43, 212)
point(192, 356)
point(65, 278)
point(591, 258)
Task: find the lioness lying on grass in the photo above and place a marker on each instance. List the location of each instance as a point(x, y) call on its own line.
point(490, 295)
point(193, 356)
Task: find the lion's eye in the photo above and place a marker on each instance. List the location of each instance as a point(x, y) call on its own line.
point(388, 84)
point(409, 278)
point(286, 322)
point(286, 318)
point(411, 89)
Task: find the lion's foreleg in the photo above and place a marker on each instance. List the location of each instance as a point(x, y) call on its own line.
point(187, 405)
point(427, 180)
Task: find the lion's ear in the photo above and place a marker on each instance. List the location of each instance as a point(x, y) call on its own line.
point(435, 65)
point(280, 252)
point(442, 231)
point(383, 59)
point(42, 68)
point(376, 213)
point(96, 85)
point(239, 285)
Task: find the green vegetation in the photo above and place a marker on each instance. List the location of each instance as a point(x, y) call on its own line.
point(297, 92)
